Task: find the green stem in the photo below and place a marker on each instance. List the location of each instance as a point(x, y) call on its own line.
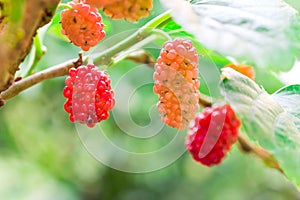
point(175, 31)
point(161, 34)
point(39, 53)
point(156, 34)
point(107, 57)
point(64, 6)
point(163, 24)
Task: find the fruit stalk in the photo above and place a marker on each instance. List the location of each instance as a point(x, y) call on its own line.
point(107, 57)
point(23, 84)
point(265, 156)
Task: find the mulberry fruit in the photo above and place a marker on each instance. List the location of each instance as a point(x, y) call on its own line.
point(212, 133)
point(82, 25)
point(131, 10)
point(176, 83)
point(89, 95)
point(100, 4)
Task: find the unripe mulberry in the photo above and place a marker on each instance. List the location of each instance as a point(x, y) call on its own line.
point(247, 70)
point(89, 95)
point(212, 133)
point(100, 4)
point(131, 10)
point(176, 83)
point(82, 25)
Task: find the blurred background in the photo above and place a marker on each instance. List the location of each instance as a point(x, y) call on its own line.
point(43, 156)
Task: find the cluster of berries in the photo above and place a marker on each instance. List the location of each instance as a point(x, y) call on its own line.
point(90, 97)
point(82, 23)
point(211, 133)
point(88, 91)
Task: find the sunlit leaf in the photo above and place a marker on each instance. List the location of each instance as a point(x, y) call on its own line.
point(272, 121)
point(289, 98)
point(265, 33)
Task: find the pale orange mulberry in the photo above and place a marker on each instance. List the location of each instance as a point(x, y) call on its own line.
point(100, 4)
point(131, 10)
point(176, 83)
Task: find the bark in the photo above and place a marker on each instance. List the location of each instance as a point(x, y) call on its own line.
point(16, 36)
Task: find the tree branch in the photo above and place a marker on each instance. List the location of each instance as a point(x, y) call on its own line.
point(16, 35)
point(54, 71)
point(104, 58)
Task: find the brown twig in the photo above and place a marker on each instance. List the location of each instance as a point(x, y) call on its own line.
point(142, 57)
point(54, 71)
point(204, 101)
point(261, 153)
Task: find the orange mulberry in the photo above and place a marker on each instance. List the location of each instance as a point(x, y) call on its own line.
point(247, 70)
point(100, 4)
point(131, 10)
point(82, 25)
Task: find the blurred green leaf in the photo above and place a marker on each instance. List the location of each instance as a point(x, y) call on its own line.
point(268, 80)
point(265, 33)
point(267, 121)
point(294, 3)
point(289, 98)
point(175, 30)
point(55, 28)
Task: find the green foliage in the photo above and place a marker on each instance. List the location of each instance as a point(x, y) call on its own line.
point(294, 3)
point(246, 30)
point(271, 121)
point(289, 98)
point(41, 150)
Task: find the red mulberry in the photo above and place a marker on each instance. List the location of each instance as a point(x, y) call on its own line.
point(89, 95)
point(212, 133)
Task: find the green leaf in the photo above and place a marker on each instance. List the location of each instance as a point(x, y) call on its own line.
point(175, 30)
point(265, 33)
point(270, 81)
point(294, 3)
point(272, 121)
point(289, 98)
